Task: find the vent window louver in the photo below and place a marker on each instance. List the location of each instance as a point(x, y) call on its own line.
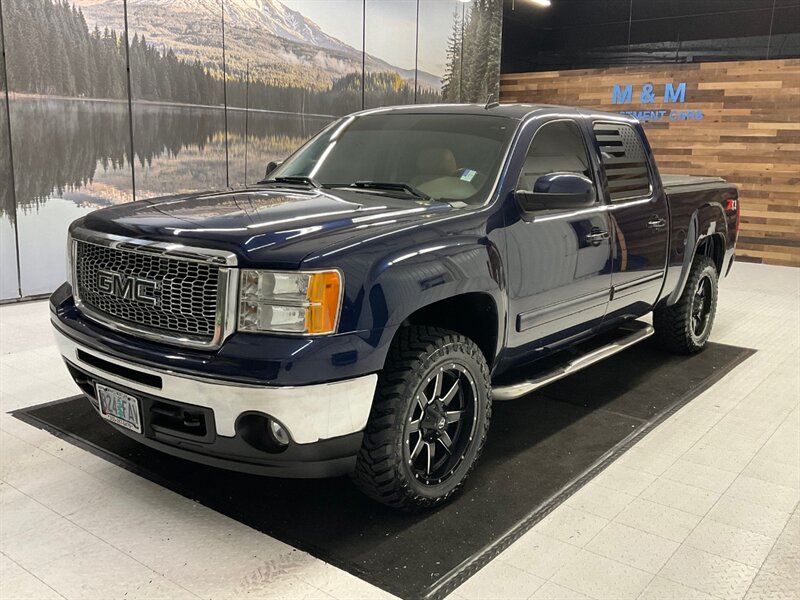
point(624, 161)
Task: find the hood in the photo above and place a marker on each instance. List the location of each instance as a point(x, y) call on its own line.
point(265, 226)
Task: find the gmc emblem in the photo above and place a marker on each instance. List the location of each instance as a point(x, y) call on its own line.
point(128, 288)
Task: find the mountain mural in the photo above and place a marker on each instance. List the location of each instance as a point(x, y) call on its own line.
point(283, 47)
point(279, 20)
point(67, 74)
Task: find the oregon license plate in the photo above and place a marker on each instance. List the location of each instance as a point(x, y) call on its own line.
point(119, 407)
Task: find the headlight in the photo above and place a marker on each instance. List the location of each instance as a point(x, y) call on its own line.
point(304, 303)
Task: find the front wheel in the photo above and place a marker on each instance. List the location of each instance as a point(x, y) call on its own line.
point(685, 326)
point(428, 421)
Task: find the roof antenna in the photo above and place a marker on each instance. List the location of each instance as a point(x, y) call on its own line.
point(491, 102)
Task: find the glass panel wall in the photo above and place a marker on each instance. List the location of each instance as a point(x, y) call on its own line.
point(179, 131)
point(282, 63)
point(322, 52)
point(480, 60)
point(684, 31)
point(218, 88)
point(68, 127)
point(390, 40)
point(9, 283)
point(641, 32)
point(439, 54)
point(784, 39)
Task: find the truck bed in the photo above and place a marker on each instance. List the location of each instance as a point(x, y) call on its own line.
point(671, 182)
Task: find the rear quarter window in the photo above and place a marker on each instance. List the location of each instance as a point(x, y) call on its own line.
point(624, 160)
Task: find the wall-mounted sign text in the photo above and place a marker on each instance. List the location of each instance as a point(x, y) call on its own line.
point(672, 94)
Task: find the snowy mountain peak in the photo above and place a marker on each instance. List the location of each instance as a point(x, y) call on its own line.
point(279, 20)
point(265, 32)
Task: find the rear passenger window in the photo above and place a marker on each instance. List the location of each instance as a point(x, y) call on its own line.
point(557, 147)
point(624, 160)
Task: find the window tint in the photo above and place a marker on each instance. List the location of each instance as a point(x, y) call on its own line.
point(449, 157)
point(624, 161)
point(557, 147)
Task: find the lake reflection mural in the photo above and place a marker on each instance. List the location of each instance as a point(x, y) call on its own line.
point(9, 280)
point(199, 118)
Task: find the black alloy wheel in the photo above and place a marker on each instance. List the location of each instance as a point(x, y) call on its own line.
point(442, 424)
point(701, 306)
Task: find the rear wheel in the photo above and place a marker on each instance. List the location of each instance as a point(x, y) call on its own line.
point(686, 326)
point(428, 421)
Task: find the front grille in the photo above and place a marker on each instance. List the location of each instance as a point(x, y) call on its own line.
point(174, 296)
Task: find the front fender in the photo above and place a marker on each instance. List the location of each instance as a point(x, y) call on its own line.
point(418, 276)
point(391, 274)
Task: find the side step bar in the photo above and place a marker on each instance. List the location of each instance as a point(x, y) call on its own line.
point(638, 331)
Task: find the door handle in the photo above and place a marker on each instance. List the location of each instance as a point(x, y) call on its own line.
point(657, 223)
point(596, 237)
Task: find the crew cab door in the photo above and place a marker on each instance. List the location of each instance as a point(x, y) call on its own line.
point(558, 260)
point(639, 216)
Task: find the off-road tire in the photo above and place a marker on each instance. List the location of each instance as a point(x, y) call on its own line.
point(382, 470)
point(674, 325)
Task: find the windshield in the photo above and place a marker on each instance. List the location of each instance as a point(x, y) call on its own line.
point(454, 158)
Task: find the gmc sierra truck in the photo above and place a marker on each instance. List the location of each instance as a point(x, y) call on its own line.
point(357, 311)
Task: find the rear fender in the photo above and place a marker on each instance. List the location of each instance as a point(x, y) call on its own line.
point(708, 220)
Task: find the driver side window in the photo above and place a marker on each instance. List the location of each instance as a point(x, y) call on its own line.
point(557, 147)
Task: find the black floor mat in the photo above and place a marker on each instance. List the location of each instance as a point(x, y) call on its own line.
point(540, 450)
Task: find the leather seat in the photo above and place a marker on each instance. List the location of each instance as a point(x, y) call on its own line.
point(557, 148)
point(433, 163)
point(537, 165)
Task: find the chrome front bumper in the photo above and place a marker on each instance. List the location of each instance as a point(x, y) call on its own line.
point(310, 413)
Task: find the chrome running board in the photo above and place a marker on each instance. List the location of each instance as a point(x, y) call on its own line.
point(638, 331)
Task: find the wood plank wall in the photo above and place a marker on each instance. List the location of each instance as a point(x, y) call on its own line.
point(750, 134)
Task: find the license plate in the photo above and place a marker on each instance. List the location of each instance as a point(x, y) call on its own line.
point(119, 407)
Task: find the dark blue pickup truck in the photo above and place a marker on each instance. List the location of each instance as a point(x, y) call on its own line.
point(358, 310)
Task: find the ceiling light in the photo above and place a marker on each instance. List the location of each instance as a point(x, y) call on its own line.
point(541, 2)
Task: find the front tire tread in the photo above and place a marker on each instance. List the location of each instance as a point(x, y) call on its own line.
point(378, 473)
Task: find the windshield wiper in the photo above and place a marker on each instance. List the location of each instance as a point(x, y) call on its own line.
point(302, 179)
point(390, 186)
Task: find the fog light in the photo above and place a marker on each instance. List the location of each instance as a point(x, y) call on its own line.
point(279, 434)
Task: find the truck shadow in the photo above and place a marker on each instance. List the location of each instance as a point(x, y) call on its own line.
point(537, 445)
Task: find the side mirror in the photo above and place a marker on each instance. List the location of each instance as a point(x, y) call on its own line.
point(558, 190)
point(271, 166)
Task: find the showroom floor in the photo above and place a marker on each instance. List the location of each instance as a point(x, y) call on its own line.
point(705, 506)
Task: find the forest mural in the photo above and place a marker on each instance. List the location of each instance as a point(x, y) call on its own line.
point(203, 113)
point(473, 53)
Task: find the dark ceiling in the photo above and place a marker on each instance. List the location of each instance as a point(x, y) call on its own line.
point(574, 34)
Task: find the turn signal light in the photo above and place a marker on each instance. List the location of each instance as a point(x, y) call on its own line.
point(324, 291)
